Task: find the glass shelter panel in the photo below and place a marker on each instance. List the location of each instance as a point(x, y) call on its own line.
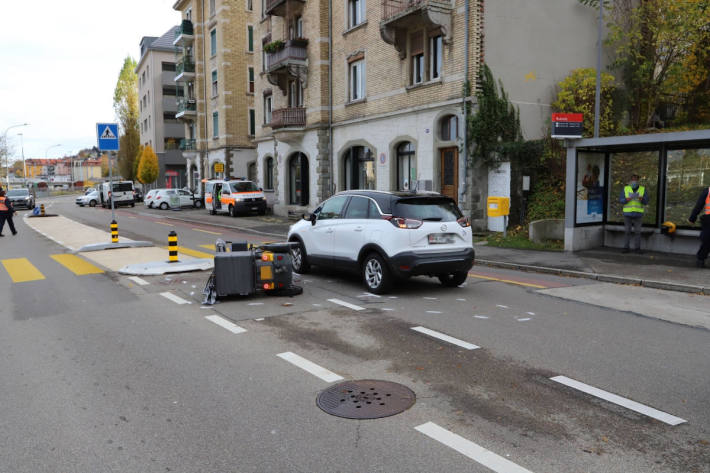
point(590, 187)
point(621, 166)
point(687, 173)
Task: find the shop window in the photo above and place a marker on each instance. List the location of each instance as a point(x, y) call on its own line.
point(687, 173)
point(359, 168)
point(298, 179)
point(406, 166)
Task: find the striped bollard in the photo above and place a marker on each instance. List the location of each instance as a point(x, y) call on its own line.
point(41, 209)
point(114, 231)
point(172, 247)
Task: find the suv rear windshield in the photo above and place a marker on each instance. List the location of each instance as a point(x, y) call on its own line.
point(246, 186)
point(18, 193)
point(429, 209)
point(123, 187)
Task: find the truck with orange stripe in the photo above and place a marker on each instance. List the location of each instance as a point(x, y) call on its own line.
point(234, 196)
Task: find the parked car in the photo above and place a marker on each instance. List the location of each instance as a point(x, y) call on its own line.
point(90, 199)
point(21, 198)
point(89, 190)
point(148, 198)
point(121, 194)
point(234, 196)
point(386, 236)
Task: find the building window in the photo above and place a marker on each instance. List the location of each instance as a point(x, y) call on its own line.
point(449, 128)
point(214, 83)
point(295, 94)
point(359, 168)
point(418, 68)
point(356, 12)
point(251, 79)
point(298, 179)
point(250, 5)
point(357, 80)
point(435, 57)
point(212, 7)
point(267, 109)
point(269, 173)
point(252, 122)
point(299, 27)
point(406, 166)
point(215, 124)
point(263, 60)
point(168, 66)
point(250, 39)
point(213, 42)
point(251, 172)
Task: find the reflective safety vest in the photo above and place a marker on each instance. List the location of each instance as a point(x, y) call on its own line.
point(707, 203)
point(3, 205)
point(634, 206)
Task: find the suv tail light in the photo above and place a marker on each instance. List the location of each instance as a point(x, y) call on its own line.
point(109, 193)
point(464, 222)
point(406, 223)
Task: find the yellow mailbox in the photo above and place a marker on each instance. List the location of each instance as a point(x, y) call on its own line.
point(498, 206)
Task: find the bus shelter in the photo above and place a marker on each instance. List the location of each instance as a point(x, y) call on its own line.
point(673, 167)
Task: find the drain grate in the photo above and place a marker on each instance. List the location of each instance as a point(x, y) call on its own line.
point(366, 399)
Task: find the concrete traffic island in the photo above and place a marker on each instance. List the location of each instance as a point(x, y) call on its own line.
point(156, 268)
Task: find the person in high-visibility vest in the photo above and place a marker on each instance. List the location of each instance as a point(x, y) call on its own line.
point(702, 207)
point(6, 212)
point(633, 197)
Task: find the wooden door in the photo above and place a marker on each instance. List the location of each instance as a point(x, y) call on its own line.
point(450, 173)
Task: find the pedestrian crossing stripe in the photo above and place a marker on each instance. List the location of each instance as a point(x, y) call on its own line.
point(193, 253)
point(76, 265)
point(21, 270)
point(208, 247)
point(108, 134)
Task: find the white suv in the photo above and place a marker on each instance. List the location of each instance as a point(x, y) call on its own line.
point(385, 236)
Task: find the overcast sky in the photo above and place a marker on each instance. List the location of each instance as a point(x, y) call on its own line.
point(59, 63)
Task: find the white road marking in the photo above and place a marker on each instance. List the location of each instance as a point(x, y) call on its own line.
point(206, 307)
point(172, 297)
point(369, 294)
point(256, 303)
point(431, 298)
point(433, 312)
point(139, 281)
point(502, 306)
point(225, 324)
point(386, 309)
point(473, 451)
point(314, 369)
point(446, 338)
point(393, 297)
point(480, 316)
point(461, 300)
point(346, 304)
point(530, 313)
point(524, 319)
point(259, 319)
point(621, 401)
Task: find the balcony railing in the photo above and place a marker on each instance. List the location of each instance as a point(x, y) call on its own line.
point(401, 16)
point(290, 52)
point(183, 33)
point(277, 7)
point(186, 107)
point(187, 144)
point(184, 66)
point(288, 117)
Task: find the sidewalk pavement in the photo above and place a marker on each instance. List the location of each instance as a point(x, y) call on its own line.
point(655, 270)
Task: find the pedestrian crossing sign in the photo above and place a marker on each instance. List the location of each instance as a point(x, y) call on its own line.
point(107, 136)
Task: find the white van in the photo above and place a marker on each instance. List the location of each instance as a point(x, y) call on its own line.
point(233, 197)
point(121, 194)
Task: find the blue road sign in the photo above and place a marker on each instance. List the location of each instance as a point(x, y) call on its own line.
point(107, 136)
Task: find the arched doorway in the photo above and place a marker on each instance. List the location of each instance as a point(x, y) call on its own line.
point(406, 166)
point(358, 168)
point(298, 179)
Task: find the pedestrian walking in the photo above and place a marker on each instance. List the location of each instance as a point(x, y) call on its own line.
point(702, 207)
point(634, 197)
point(6, 213)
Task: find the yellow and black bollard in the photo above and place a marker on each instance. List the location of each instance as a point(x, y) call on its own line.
point(41, 209)
point(114, 231)
point(172, 247)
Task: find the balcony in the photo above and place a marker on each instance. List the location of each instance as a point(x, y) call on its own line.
point(184, 34)
point(401, 16)
point(185, 70)
point(280, 7)
point(288, 62)
point(288, 118)
point(187, 144)
point(186, 109)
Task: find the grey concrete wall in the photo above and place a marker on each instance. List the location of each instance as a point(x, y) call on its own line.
point(531, 45)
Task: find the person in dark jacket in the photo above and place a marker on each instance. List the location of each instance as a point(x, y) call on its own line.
point(702, 207)
point(6, 213)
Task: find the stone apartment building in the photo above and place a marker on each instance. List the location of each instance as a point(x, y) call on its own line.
point(215, 49)
point(157, 95)
point(389, 108)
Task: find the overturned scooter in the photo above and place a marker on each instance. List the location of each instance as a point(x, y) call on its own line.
point(248, 268)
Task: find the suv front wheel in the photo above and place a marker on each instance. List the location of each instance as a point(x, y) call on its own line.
point(454, 279)
point(299, 259)
point(376, 274)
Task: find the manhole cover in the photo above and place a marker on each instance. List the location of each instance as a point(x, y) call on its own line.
point(366, 399)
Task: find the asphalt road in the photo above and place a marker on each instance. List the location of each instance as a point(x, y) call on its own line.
point(100, 372)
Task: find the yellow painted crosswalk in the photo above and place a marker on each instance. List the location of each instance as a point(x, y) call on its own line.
point(76, 265)
point(193, 253)
point(21, 270)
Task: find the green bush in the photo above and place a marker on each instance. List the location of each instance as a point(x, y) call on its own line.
point(547, 200)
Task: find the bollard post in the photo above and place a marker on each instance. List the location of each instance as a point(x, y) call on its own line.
point(114, 231)
point(172, 247)
point(41, 209)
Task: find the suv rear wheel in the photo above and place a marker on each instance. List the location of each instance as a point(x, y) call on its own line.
point(299, 259)
point(453, 279)
point(376, 274)
point(232, 211)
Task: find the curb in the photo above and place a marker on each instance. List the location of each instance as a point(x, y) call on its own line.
point(668, 286)
point(230, 227)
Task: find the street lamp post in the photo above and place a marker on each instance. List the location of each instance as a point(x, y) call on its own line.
point(7, 155)
point(24, 166)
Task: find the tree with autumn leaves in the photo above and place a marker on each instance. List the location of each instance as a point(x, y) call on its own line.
point(147, 166)
point(125, 104)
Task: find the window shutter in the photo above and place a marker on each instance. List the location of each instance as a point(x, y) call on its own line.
point(417, 43)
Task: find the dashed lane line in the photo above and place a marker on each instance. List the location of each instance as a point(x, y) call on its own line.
point(226, 324)
point(309, 366)
point(21, 270)
point(621, 401)
point(446, 338)
point(508, 281)
point(76, 265)
point(176, 299)
point(206, 231)
point(472, 450)
point(346, 304)
point(139, 281)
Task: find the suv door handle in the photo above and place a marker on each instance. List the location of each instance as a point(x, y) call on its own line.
point(330, 230)
point(358, 228)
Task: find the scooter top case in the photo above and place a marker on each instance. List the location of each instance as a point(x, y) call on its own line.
point(234, 273)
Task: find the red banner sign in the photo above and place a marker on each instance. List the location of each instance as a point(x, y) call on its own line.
point(567, 117)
